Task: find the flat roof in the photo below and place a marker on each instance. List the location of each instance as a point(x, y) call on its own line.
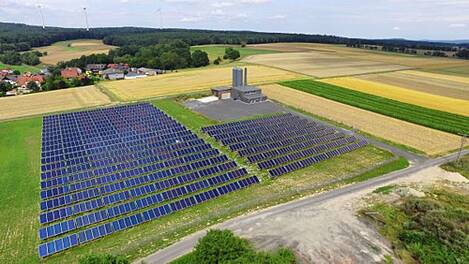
point(248, 88)
point(221, 89)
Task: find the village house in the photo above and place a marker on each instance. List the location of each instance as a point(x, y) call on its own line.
point(96, 68)
point(120, 66)
point(24, 79)
point(113, 74)
point(71, 72)
point(149, 72)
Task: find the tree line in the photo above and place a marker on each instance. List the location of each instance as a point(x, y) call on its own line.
point(21, 37)
point(170, 55)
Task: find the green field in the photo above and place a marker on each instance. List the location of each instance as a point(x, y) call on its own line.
point(22, 68)
point(19, 176)
point(440, 120)
point(215, 51)
point(20, 144)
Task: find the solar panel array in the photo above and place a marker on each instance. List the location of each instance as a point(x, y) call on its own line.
point(284, 143)
point(111, 169)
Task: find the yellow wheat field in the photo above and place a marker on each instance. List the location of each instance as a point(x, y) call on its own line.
point(422, 138)
point(452, 105)
point(191, 81)
point(49, 102)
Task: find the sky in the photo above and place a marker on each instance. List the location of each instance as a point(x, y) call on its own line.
point(411, 19)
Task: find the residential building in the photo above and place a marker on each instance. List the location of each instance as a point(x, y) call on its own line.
point(24, 79)
point(149, 72)
point(71, 72)
point(96, 68)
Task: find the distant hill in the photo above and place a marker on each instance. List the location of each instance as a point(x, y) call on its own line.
point(22, 37)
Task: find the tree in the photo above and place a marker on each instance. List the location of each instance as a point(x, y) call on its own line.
point(33, 86)
point(200, 58)
point(231, 54)
point(217, 61)
point(4, 88)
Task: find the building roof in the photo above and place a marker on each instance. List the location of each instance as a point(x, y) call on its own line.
point(247, 88)
point(133, 74)
point(113, 71)
point(71, 72)
point(221, 89)
point(24, 79)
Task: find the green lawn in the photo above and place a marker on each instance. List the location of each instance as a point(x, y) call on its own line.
point(215, 51)
point(440, 120)
point(19, 176)
point(20, 144)
point(22, 68)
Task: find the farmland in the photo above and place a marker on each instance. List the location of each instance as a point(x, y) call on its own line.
point(67, 50)
point(436, 84)
point(22, 68)
point(416, 114)
point(215, 51)
point(442, 103)
point(190, 81)
point(341, 60)
point(19, 209)
point(418, 137)
point(48, 102)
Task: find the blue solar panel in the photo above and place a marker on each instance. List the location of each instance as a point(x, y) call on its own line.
point(97, 166)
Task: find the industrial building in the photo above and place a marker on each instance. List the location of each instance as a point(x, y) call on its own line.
point(240, 90)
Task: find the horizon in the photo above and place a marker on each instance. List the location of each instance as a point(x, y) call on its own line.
point(389, 19)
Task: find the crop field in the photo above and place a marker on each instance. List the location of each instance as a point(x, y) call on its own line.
point(428, 140)
point(431, 83)
point(215, 51)
point(422, 62)
point(190, 81)
point(48, 102)
point(442, 103)
point(322, 64)
point(19, 175)
point(67, 50)
point(440, 120)
point(22, 68)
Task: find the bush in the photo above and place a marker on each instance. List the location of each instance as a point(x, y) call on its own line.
point(103, 259)
point(231, 54)
point(219, 247)
point(217, 61)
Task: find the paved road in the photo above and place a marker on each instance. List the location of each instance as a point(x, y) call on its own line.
point(185, 245)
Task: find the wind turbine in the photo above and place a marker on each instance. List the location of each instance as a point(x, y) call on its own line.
point(160, 13)
point(86, 19)
point(42, 16)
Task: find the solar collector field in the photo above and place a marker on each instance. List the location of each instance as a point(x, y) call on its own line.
point(110, 169)
point(284, 143)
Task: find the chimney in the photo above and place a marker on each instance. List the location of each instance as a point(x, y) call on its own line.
point(246, 76)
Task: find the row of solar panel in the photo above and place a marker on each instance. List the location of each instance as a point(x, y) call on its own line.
point(152, 183)
point(253, 129)
point(82, 237)
point(315, 159)
point(91, 193)
point(52, 173)
point(88, 140)
point(262, 140)
point(132, 146)
point(115, 156)
point(100, 146)
point(119, 156)
point(132, 163)
point(326, 133)
point(299, 154)
point(141, 203)
point(294, 147)
point(235, 125)
point(105, 132)
point(240, 137)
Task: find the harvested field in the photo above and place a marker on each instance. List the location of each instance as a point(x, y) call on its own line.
point(434, 64)
point(442, 103)
point(73, 49)
point(48, 102)
point(322, 64)
point(191, 81)
point(436, 84)
point(422, 138)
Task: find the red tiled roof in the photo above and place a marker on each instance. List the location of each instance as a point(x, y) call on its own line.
point(24, 79)
point(70, 73)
